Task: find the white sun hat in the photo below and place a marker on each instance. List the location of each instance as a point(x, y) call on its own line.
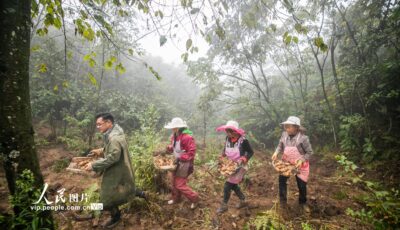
point(292, 120)
point(176, 122)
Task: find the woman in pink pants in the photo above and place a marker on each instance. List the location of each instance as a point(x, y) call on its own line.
point(183, 146)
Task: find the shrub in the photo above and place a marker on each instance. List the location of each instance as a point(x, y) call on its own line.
point(382, 205)
point(24, 197)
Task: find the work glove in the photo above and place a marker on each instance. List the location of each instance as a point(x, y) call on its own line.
point(169, 149)
point(242, 161)
point(299, 163)
point(274, 156)
point(95, 153)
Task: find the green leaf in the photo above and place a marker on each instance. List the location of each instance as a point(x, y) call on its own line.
point(57, 23)
point(319, 42)
point(49, 20)
point(120, 68)
point(34, 9)
point(159, 13)
point(188, 44)
point(145, 9)
point(356, 180)
point(69, 54)
point(35, 223)
point(370, 184)
point(55, 88)
point(42, 31)
point(108, 65)
point(295, 39)
point(130, 51)
point(92, 79)
point(194, 50)
point(163, 40)
point(89, 34)
point(92, 62)
point(288, 39)
point(184, 3)
point(100, 19)
point(110, 62)
point(42, 68)
point(65, 84)
point(83, 15)
point(49, 9)
point(35, 48)
point(285, 34)
point(155, 73)
point(185, 56)
point(87, 57)
point(116, 2)
point(122, 13)
point(298, 27)
point(208, 39)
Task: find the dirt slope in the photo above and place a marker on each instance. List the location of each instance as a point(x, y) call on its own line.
point(327, 198)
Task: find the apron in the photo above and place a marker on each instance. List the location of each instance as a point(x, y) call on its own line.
point(291, 154)
point(183, 168)
point(234, 155)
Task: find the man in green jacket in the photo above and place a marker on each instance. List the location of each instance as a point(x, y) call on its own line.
point(117, 175)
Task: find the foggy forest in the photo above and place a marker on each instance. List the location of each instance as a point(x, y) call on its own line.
point(288, 109)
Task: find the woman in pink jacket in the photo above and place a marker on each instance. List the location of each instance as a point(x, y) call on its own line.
point(183, 146)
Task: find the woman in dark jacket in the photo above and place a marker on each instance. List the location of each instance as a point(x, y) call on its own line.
point(237, 148)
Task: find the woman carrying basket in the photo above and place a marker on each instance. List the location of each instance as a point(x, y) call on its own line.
point(237, 148)
point(296, 149)
point(183, 147)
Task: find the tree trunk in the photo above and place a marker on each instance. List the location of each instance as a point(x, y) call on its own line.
point(334, 71)
point(16, 135)
point(330, 109)
point(203, 156)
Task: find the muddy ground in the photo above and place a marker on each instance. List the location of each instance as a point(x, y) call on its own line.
point(328, 197)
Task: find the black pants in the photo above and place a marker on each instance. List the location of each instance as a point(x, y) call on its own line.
point(228, 187)
point(283, 189)
point(115, 212)
point(139, 193)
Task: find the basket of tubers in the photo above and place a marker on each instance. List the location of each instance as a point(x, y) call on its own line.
point(78, 164)
point(284, 168)
point(164, 163)
point(227, 167)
